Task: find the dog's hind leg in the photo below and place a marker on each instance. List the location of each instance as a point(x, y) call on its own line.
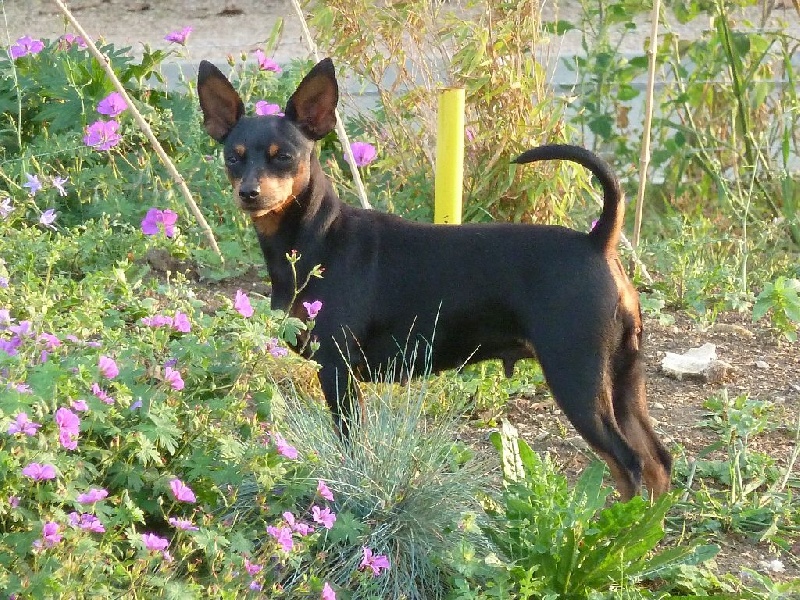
point(630, 410)
point(582, 387)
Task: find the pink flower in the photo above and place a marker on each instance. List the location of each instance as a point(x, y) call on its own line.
point(173, 377)
point(112, 105)
point(184, 524)
point(69, 428)
point(22, 424)
point(58, 183)
point(50, 535)
point(242, 304)
point(108, 367)
point(157, 320)
point(297, 526)
point(155, 217)
point(86, 521)
point(283, 447)
point(68, 40)
point(181, 322)
point(33, 184)
point(154, 543)
point(264, 108)
point(375, 562)
point(324, 491)
point(324, 517)
point(102, 135)
point(182, 492)
point(283, 535)
point(51, 342)
point(363, 153)
point(180, 36)
point(275, 349)
point(252, 569)
point(39, 472)
point(92, 496)
point(98, 393)
point(151, 221)
point(68, 440)
point(327, 592)
point(169, 218)
point(313, 308)
point(48, 217)
point(68, 420)
point(13, 501)
point(24, 46)
point(79, 405)
point(265, 63)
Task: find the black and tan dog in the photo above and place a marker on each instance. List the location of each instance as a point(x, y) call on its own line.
point(462, 294)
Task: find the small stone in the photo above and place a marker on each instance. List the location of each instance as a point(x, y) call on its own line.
point(732, 328)
point(762, 364)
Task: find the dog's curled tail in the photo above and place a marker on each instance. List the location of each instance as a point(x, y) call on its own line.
point(606, 231)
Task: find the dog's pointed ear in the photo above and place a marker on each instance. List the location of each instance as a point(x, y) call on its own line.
point(221, 105)
point(312, 107)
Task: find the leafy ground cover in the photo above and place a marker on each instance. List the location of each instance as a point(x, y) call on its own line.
point(157, 439)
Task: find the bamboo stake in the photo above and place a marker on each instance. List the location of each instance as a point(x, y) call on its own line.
point(340, 131)
point(144, 126)
point(644, 158)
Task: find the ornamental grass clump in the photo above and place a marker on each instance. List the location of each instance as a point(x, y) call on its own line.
point(405, 493)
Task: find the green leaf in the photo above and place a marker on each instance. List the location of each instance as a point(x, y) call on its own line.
point(559, 27)
point(347, 529)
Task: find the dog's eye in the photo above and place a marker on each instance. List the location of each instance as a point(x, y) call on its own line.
point(232, 159)
point(283, 158)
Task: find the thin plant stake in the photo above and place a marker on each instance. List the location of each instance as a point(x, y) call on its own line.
point(644, 157)
point(144, 126)
point(340, 131)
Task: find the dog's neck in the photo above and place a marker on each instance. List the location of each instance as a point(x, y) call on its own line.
point(303, 228)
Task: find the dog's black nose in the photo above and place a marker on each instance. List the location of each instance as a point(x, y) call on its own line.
point(249, 193)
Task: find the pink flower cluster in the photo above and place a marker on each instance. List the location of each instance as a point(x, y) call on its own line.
point(102, 135)
point(24, 46)
point(179, 322)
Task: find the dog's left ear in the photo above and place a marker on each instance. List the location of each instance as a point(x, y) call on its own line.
point(313, 105)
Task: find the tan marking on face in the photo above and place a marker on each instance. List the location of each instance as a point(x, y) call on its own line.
point(273, 150)
point(240, 150)
point(277, 195)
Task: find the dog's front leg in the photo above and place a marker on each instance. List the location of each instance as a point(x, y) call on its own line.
point(342, 395)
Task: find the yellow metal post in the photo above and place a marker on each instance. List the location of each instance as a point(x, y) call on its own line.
point(449, 157)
